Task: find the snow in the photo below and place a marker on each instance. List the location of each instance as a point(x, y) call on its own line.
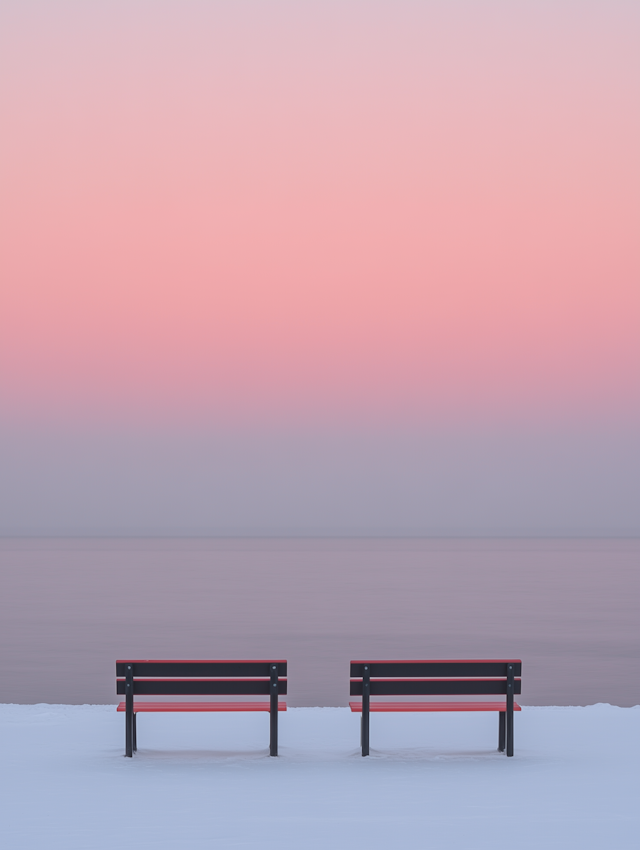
point(206, 781)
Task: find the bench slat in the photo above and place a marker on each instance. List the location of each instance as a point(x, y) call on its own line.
point(434, 706)
point(435, 687)
point(201, 706)
point(194, 669)
point(437, 669)
point(201, 687)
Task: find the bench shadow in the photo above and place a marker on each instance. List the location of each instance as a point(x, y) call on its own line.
point(428, 754)
point(200, 754)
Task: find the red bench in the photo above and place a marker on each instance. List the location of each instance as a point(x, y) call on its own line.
point(437, 678)
point(200, 678)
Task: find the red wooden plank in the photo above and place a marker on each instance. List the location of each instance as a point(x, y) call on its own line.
point(201, 706)
point(202, 679)
point(201, 661)
point(441, 661)
point(433, 706)
point(399, 681)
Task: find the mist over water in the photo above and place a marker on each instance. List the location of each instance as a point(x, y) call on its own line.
point(569, 608)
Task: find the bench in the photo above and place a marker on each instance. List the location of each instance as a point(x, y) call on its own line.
point(200, 678)
point(437, 678)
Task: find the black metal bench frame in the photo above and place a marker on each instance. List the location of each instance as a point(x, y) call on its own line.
point(200, 678)
point(438, 678)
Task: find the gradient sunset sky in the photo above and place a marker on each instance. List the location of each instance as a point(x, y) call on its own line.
point(349, 267)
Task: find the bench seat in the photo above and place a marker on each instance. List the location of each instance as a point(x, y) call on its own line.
point(201, 706)
point(434, 706)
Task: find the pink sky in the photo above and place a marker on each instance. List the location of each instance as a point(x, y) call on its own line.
point(327, 266)
point(271, 212)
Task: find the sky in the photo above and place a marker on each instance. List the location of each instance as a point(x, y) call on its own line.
point(322, 267)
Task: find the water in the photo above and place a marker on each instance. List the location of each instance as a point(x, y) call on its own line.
point(568, 608)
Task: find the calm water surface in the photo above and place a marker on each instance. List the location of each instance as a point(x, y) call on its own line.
point(568, 608)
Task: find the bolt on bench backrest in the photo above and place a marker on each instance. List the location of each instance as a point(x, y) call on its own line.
point(435, 678)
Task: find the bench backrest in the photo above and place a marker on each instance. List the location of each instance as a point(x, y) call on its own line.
point(201, 678)
point(435, 678)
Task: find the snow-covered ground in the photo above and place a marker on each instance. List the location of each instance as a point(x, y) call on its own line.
point(206, 780)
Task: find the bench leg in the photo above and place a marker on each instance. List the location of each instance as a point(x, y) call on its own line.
point(509, 712)
point(501, 731)
point(365, 733)
point(128, 715)
point(135, 732)
point(128, 732)
point(364, 729)
point(273, 726)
